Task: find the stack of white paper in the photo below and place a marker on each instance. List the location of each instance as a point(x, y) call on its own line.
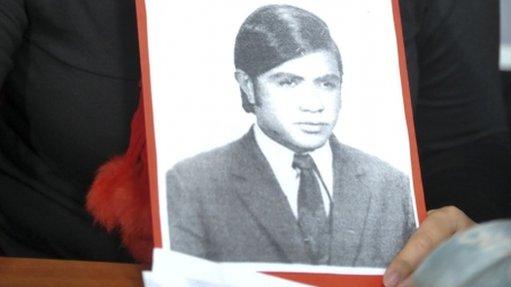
point(177, 269)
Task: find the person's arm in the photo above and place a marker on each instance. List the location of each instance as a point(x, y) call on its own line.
point(13, 22)
point(187, 233)
point(439, 226)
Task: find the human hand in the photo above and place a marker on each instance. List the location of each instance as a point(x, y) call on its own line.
point(439, 226)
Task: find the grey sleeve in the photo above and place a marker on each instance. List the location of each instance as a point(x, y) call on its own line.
point(408, 209)
point(186, 227)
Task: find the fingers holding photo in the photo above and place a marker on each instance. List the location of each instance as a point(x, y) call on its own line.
point(440, 225)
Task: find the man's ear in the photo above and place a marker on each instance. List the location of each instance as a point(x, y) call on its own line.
point(246, 85)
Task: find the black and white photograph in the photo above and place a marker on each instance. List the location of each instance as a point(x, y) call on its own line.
point(280, 131)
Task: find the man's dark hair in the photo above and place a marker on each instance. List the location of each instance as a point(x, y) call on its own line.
point(274, 34)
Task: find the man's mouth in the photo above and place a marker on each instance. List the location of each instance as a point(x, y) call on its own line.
point(312, 127)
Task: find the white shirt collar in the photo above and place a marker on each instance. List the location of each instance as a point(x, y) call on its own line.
point(280, 159)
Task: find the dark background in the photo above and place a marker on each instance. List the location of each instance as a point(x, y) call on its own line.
point(505, 23)
point(506, 89)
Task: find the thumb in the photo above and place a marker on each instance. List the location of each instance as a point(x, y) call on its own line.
point(439, 226)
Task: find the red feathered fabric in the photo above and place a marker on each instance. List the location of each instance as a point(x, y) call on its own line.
point(119, 196)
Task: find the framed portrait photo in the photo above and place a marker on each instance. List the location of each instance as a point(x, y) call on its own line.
point(280, 135)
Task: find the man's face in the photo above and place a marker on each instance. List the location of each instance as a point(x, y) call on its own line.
point(298, 102)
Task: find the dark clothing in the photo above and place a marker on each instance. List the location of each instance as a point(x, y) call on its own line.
point(69, 75)
point(453, 61)
point(227, 205)
point(465, 150)
point(506, 91)
point(70, 85)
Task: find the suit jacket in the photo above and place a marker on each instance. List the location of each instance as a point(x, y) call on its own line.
point(226, 205)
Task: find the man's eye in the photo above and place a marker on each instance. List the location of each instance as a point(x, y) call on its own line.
point(329, 84)
point(287, 83)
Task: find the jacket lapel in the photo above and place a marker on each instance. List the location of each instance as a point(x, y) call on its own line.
point(352, 199)
point(261, 193)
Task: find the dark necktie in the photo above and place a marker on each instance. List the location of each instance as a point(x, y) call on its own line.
point(312, 217)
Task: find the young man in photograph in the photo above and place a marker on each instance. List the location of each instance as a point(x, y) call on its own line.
point(288, 191)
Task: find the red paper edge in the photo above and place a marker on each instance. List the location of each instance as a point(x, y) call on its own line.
point(407, 99)
point(324, 280)
point(148, 118)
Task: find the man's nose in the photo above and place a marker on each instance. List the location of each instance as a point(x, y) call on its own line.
point(311, 101)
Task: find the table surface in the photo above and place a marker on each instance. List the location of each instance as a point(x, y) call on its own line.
point(25, 272)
